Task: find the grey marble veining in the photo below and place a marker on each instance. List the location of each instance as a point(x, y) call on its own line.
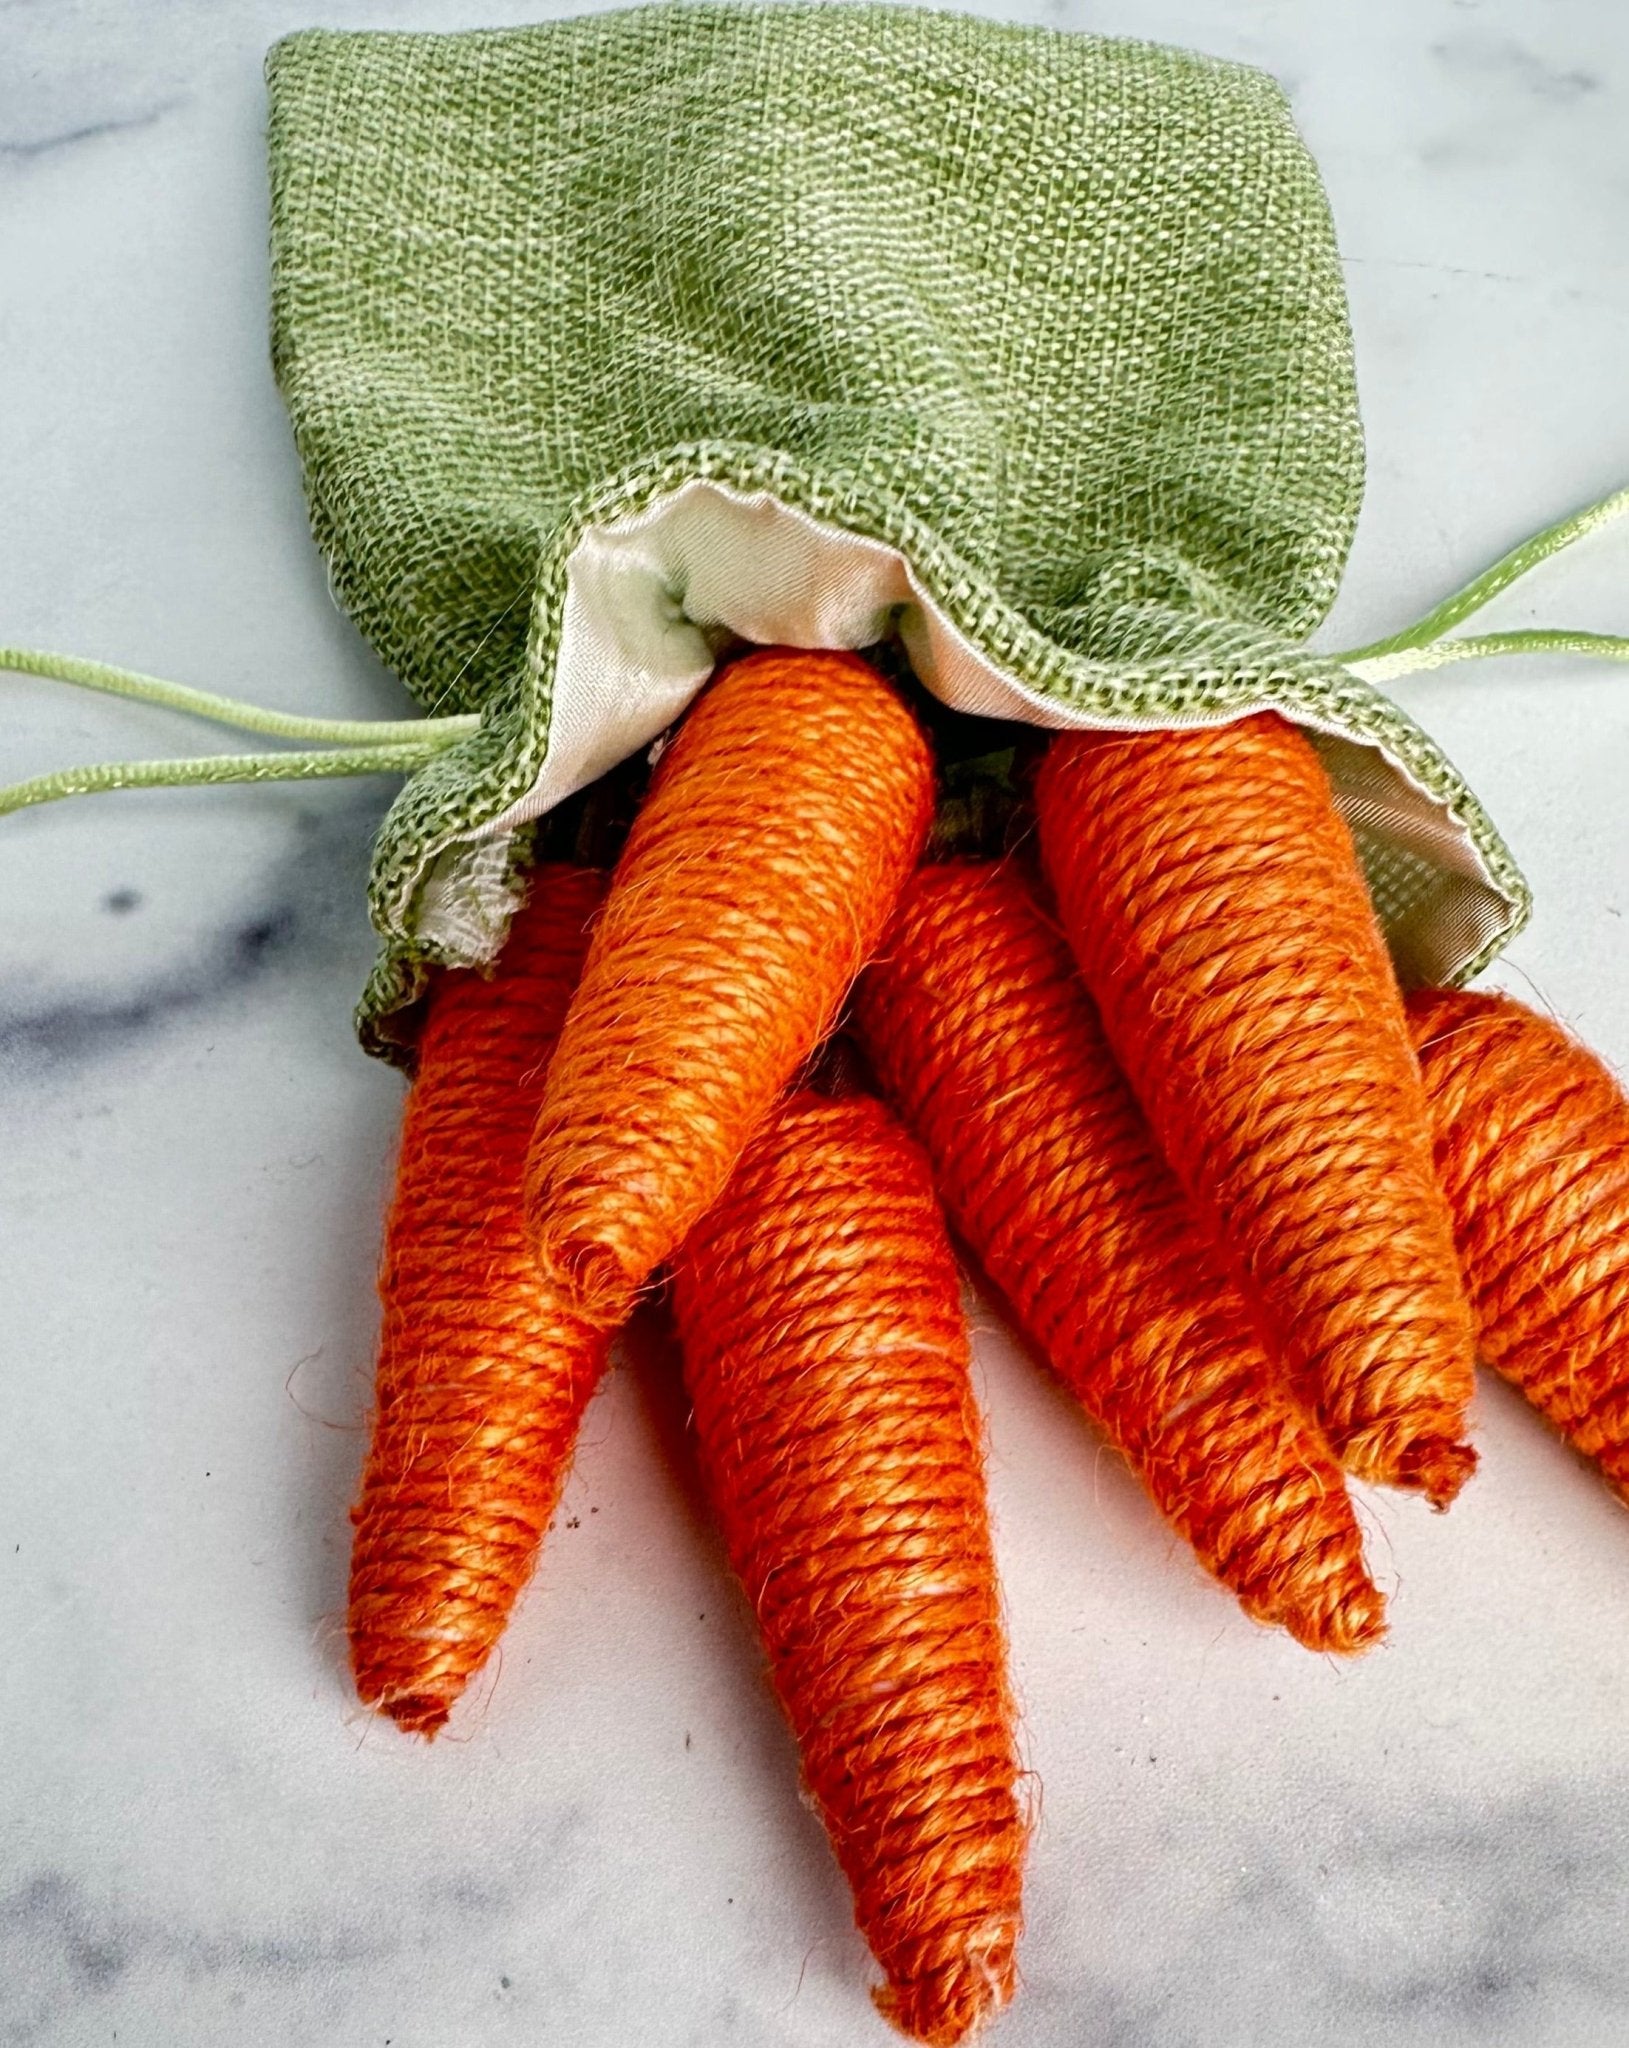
point(201, 1839)
point(299, 923)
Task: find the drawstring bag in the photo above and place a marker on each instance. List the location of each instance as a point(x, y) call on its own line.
point(1019, 359)
point(609, 343)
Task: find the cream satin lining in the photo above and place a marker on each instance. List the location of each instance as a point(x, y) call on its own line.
point(650, 600)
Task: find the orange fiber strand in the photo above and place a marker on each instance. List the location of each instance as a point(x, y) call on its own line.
point(826, 1356)
point(978, 1026)
point(483, 1372)
point(781, 825)
point(1532, 1135)
point(1215, 905)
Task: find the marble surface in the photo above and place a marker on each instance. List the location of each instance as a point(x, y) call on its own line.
point(1239, 1845)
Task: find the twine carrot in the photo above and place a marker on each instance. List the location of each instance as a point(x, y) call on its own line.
point(483, 1372)
point(979, 1028)
point(780, 827)
point(827, 1359)
point(1215, 905)
point(1532, 1147)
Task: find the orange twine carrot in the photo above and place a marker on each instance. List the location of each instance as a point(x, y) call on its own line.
point(827, 1358)
point(781, 825)
point(1213, 900)
point(980, 1029)
point(1532, 1147)
point(483, 1372)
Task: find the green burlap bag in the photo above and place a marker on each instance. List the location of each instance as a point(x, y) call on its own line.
point(609, 341)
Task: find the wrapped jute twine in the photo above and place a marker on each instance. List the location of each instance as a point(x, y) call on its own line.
point(826, 1355)
point(1212, 901)
point(1532, 1149)
point(483, 1368)
point(980, 1029)
point(756, 881)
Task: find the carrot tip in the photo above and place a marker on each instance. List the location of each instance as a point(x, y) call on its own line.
point(1354, 1620)
point(591, 1279)
point(954, 2001)
point(1436, 1466)
point(417, 1713)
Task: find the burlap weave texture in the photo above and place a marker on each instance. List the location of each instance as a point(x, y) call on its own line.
point(1058, 318)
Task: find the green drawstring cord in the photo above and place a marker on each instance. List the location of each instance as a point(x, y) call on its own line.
point(1422, 646)
point(1412, 661)
point(362, 746)
point(339, 732)
point(397, 747)
point(211, 768)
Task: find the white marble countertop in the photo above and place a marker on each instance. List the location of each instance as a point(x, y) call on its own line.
point(201, 1837)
